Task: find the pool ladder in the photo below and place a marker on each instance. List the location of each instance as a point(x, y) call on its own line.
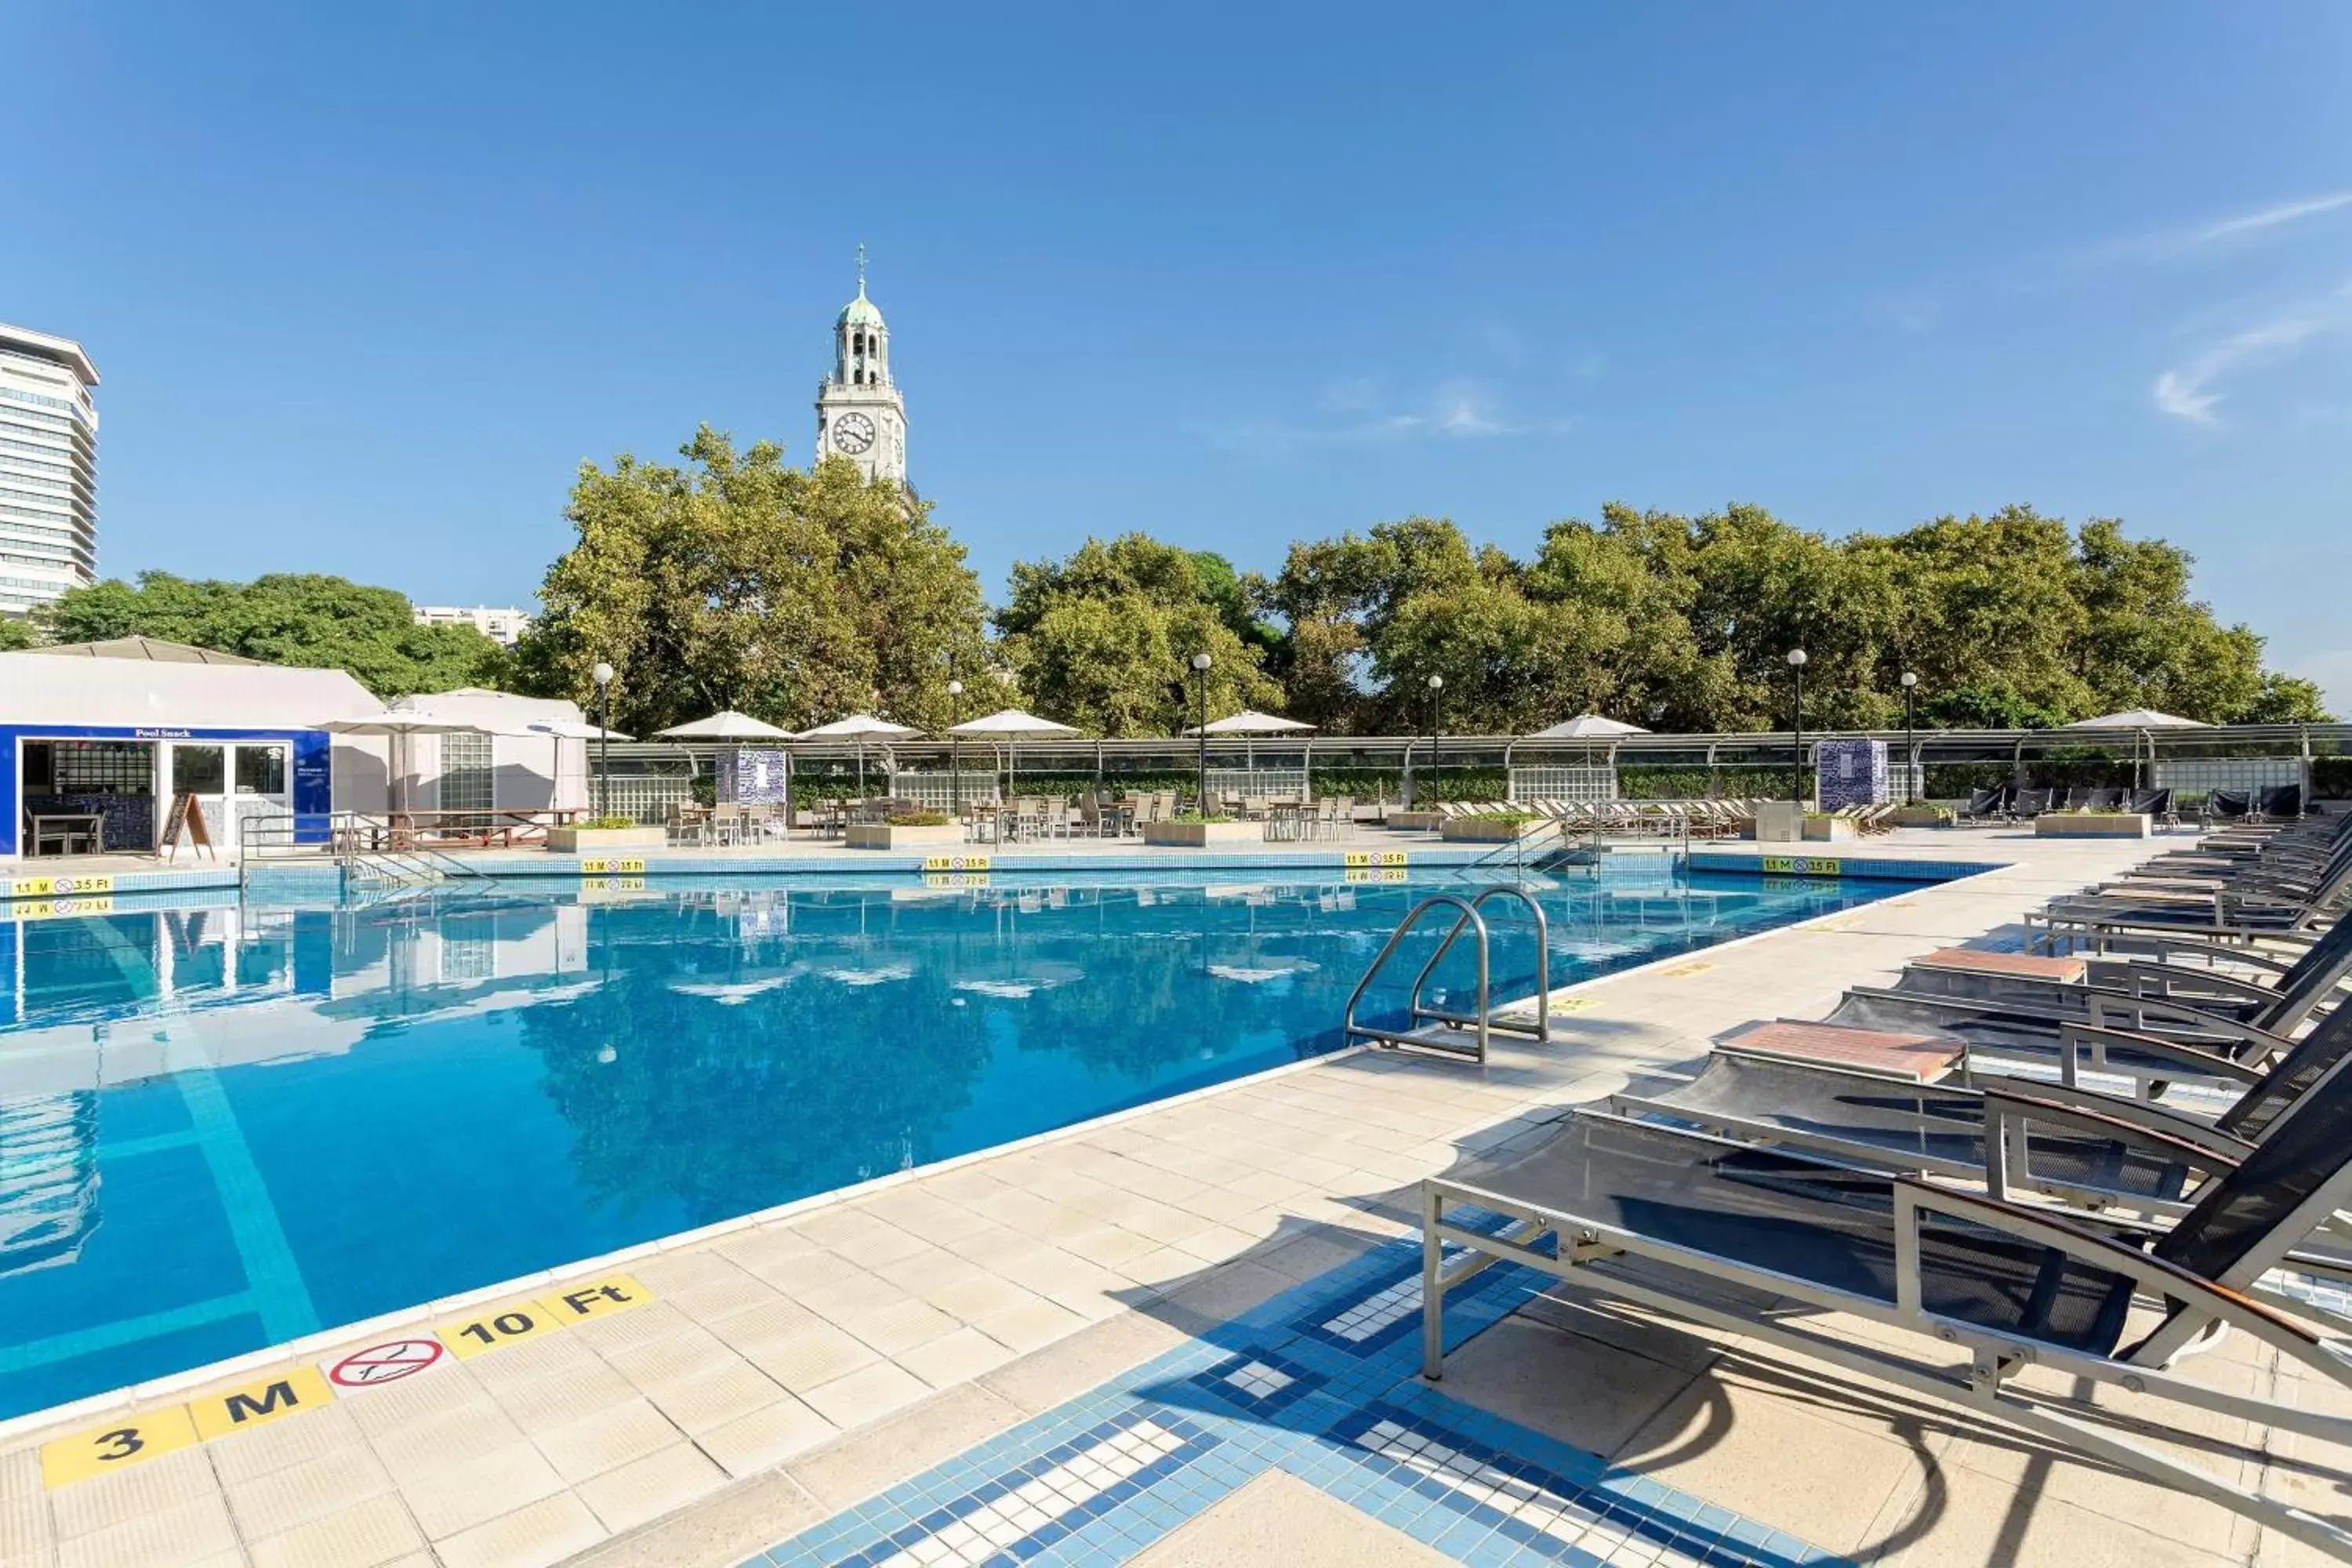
point(1428, 1028)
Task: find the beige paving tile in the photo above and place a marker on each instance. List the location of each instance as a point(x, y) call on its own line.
point(564, 1397)
point(429, 1397)
point(452, 1439)
point(606, 1441)
point(367, 1534)
point(1029, 1325)
point(845, 1292)
point(866, 1395)
point(26, 1538)
point(730, 1527)
point(818, 1353)
point(537, 1536)
point(765, 1323)
point(901, 1326)
point(955, 1357)
point(1081, 1361)
point(647, 1487)
point(272, 1503)
point(470, 1492)
point(247, 1455)
point(713, 1399)
point(766, 1437)
point(172, 1535)
point(129, 1496)
point(979, 1295)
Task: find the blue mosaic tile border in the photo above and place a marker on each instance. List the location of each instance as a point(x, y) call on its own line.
point(1109, 1473)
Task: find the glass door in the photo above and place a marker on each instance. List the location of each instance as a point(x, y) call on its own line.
point(200, 769)
point(258, 768)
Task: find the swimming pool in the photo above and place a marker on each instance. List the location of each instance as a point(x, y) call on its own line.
point(223, 1126)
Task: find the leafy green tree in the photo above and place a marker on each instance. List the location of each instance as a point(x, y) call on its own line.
point(17, 634)
point(795, 595)
point(1104, 639)
point(303, 619)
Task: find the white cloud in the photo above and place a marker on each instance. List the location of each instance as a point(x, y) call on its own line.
point(2272, 217)
point(1358, 411)
point(2192, 389)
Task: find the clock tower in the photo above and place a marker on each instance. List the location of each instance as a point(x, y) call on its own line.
point(859, 412)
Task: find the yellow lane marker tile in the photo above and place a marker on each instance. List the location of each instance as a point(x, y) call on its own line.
point(131, 1441)
point(524, 1320)
point(1680, 969)
point(258, 1404)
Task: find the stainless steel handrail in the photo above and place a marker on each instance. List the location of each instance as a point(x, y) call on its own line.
point(1470, 915)
point(1543, 961)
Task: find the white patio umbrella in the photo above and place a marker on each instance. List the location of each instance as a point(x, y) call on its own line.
point(1011, 726)
point(1588, 726)
point(559, 731)
point(725, 725)
point(2140, 720)
point(860, 727)
point(1250, 721)
point(399, 725)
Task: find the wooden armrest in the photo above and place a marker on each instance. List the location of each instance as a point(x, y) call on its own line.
point(2085, 1120)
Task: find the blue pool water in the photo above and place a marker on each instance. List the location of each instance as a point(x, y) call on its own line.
point(224, 1126)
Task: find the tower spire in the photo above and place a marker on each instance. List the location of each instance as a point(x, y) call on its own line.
point(861, 269)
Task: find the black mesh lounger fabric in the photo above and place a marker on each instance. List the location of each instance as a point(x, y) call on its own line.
point(1904, 1121)
point(2291, 1077)
point(2303, 1153)
point(1832, 1227)
point(2033, 1034)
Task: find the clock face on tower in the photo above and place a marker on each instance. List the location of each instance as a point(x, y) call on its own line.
point(853, 433)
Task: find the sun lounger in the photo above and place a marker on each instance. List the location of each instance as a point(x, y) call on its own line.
point(1987, 806)
point(1732, 1237)
point(2160, 1051)
point(2076, 1145)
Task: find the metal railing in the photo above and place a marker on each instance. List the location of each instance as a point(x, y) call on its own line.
point(1434, 1029)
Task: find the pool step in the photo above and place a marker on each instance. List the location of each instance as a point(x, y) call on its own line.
point(1446, 1039)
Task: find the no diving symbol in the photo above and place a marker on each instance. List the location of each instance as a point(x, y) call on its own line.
point(386, 1362)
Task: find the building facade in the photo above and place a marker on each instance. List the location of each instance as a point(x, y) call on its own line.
point(503, 625)
point(48, 469)
point(860, 414)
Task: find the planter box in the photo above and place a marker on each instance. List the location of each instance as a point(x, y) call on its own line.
point(882, 835)
point(1463, 830)
point(1776, 822)
point(1828, 829)
point(2091, 824)
point(1923, 815)
point(587, 840)
point(1415, 821)
point(1201, 834)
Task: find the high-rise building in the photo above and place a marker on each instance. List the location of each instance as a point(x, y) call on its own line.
point(503, 624)
point(859, 415)
point(48, 469)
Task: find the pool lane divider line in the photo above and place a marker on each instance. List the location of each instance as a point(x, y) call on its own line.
point(130, 1440)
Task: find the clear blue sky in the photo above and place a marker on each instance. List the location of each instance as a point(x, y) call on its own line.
point(367, 284)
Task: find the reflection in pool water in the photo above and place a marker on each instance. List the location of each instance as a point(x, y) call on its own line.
point(222, 1127)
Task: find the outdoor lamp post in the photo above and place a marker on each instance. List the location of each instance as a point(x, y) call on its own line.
point(1436, 690)
point(603, 674)
point(1797, 663)
point(955, 749)
point(1910, 739)
point(1201, 662)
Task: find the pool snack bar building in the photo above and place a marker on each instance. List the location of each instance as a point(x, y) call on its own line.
point(97, 740)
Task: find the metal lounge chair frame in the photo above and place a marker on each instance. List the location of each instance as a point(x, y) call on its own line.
point(2195, 1307)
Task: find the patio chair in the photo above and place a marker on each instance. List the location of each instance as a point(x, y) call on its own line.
point(2155, 803)
point(1744, 1239)
point(2227, 804)
point(726, 824)
point(2027, 803)
point(1987, 806)
point(2280, 802)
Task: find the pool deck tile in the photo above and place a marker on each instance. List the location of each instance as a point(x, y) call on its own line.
point(858, 1343)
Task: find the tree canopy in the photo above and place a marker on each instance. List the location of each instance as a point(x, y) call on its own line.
point(297, 618)
point(1685, 623)
point(795, 595)
point(1105, 639)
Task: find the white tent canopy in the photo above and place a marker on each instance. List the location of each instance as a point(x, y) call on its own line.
point(573, 729)
point(1588, 727)
point(2138, 718)
point(856, 727)
point(1250, 721)
point(726, 725)
point(1012, 724)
